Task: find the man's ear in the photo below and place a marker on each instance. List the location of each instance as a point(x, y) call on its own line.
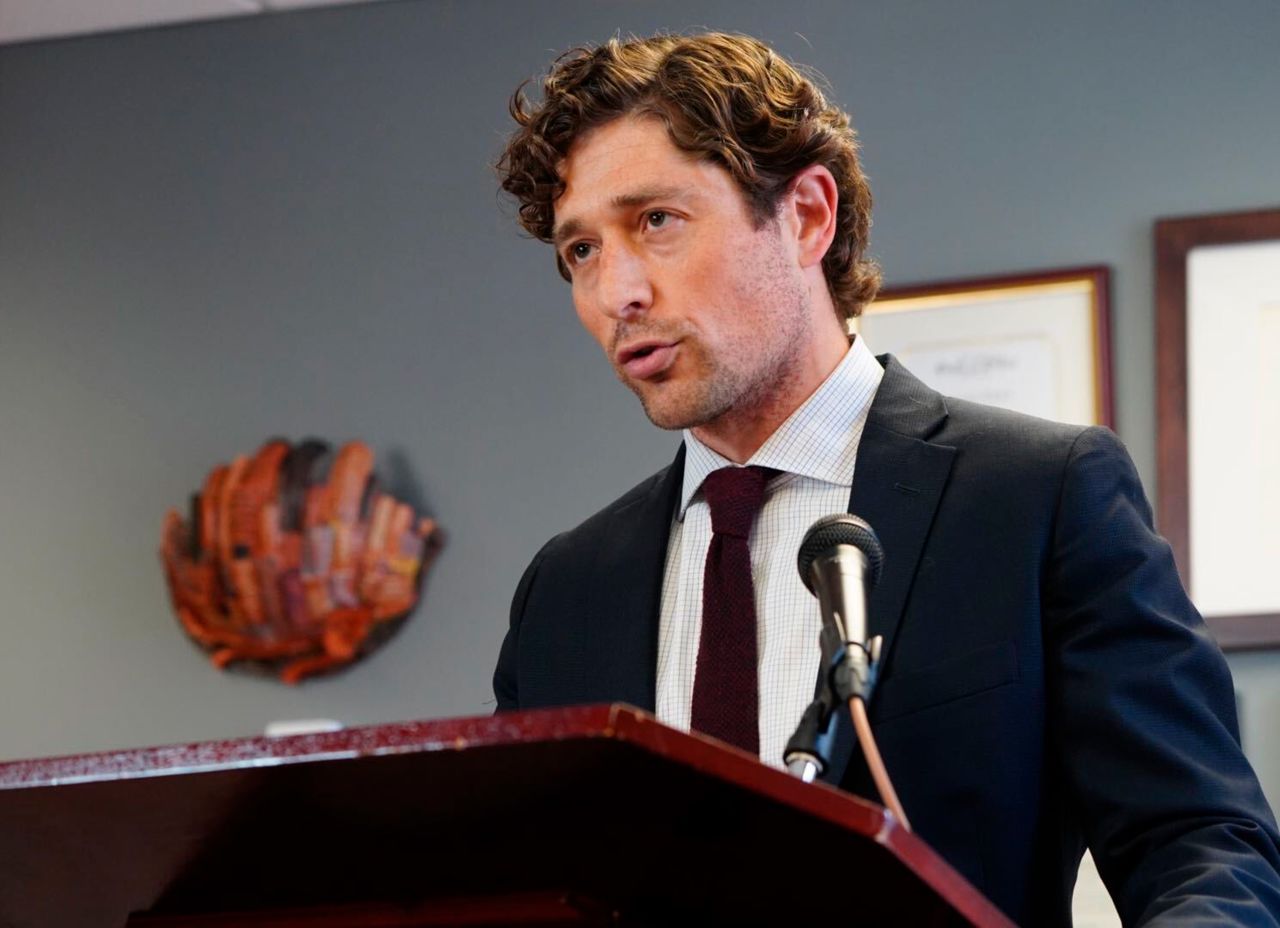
point(812, 200)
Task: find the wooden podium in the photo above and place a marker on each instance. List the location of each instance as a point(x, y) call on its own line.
point(596, 815)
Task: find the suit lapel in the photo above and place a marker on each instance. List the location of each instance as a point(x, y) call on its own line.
point(897, 484)
point(623, 639)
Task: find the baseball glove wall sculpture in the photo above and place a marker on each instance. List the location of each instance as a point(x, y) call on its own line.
point(295, 558)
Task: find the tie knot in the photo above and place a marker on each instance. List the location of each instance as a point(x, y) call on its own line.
point(735, 495)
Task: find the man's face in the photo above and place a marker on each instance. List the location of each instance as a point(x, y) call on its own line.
point(700, 312)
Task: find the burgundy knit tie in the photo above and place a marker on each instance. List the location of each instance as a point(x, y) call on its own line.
point(726, 693)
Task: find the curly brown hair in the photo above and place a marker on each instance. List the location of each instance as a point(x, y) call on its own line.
point(729, 99)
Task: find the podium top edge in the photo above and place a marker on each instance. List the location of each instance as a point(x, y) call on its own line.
point(427, 735)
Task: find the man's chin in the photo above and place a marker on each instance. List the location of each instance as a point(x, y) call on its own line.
point(672, 412)
point(670, 423)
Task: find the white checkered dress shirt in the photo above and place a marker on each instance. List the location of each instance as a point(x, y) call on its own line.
point(815, 449)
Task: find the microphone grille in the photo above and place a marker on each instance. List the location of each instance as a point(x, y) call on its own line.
point(841, 528)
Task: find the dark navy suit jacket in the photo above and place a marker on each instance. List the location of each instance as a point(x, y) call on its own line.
point(1045, 683)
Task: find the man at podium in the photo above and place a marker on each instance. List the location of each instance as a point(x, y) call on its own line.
point(1046, 685)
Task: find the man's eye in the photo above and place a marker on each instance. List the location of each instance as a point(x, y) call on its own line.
point(579, 252)
point(656, 218)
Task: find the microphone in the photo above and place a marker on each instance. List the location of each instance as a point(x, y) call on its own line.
point(840, 561)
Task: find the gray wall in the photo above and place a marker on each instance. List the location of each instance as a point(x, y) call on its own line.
point(287, 224)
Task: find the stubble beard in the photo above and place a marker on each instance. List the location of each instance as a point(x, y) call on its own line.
point(743, 381)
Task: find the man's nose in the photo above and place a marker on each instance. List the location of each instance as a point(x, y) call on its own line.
point(625, 289)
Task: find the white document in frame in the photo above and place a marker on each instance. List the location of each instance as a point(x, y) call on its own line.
point(1016, 373)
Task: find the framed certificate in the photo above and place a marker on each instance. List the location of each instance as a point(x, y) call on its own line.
point(1218, 416)
point(1037, 343)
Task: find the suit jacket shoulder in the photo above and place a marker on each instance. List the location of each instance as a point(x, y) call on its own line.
point(584, 618)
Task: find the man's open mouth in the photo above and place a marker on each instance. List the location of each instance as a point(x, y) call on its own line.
point(645, 359)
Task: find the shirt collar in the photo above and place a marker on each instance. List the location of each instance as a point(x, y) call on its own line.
point(818, 440)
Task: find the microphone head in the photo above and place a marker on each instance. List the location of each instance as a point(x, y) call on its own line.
point(831, 531)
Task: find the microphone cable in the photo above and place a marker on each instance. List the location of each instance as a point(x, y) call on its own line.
point(879, 773)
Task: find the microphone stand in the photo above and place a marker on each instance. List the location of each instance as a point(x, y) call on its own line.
point(808, 753)
point(848, 680)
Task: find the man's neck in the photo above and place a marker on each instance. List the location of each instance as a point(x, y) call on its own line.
point(739, 433)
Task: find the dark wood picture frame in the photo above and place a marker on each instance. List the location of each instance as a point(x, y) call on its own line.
point(1096, 276)
point(1174, 239)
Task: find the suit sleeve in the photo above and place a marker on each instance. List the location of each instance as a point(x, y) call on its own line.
point(1144, 724)
point(506, 675)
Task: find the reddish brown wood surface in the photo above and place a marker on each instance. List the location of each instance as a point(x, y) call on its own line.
point(1174, 240)
point(546, 910)
point(602, 802)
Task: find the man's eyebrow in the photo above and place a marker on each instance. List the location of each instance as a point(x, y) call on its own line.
point(648, 195)
point(567, 230)
point(572, 227)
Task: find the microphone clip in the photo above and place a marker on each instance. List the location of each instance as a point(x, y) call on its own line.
point(808, 752)
point(854, 670)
